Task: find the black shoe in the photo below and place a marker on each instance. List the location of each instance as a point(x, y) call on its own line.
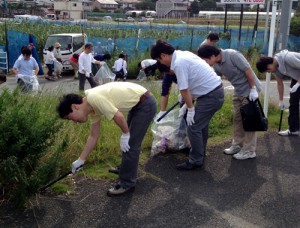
point(118, 190)
point(187, 166)
point(114, 170)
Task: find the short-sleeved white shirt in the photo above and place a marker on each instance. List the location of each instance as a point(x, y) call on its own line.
point(111, 97)
point(148, 62)
point(193, 73)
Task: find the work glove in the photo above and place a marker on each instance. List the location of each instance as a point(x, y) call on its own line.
point(77, 165)
point(124, 142)
point(190, 116)
point(281, 105)
point(182, 110)
point(159, 115)
point(253, 94)
point(294, 88)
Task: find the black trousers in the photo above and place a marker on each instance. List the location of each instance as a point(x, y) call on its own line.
point(293, 119)
point(82, 79)
point(151, 69)
point(50, 69)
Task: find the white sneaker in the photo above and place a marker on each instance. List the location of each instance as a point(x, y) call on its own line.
point(232, 150)
point(288, 133)
point(242, 155)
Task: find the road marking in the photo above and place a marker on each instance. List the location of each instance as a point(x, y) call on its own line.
point(233, 220)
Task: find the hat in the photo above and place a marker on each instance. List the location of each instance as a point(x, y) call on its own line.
point(31, 45)
point(56, 45)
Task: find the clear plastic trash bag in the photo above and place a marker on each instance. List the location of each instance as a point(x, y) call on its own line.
point(169, 134)
point(104, 74)
point(141, 76)
point(29, 83)
point(58, 67)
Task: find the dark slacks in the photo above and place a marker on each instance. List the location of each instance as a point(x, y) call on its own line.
point(293, 119)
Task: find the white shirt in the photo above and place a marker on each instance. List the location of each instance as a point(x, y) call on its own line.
point(85, 63)
point(119, 64)
point(193, 73)
point(147, 62)
point(49, 59)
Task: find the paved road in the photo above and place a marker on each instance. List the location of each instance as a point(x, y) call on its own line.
point(261, 192)
point(68, 84)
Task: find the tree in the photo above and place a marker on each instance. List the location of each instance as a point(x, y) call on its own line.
point(208, 5)
point(195, 7)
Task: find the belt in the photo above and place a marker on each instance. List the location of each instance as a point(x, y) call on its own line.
point(218, 87)
point(144, 97)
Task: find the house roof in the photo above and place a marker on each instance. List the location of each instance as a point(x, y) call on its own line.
point(128, 1)
point(111, 2)
point(176, 1)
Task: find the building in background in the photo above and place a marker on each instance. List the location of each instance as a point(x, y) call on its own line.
point(73, 9)
point(107, 5)
point(172, 8)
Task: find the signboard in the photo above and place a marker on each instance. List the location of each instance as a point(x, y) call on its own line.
point(243, 1)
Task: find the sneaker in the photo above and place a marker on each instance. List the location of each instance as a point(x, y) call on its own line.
point(232, 150)
point(242, 155)
point(115, 170)
point(118, 190)
point(288, 133)
point(187, 166)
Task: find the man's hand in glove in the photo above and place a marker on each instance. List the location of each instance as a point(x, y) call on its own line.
point(281, 105)
point(190, 116)
point(253, 94)
point(76, 165)
point(124, 142)
point(294, 88)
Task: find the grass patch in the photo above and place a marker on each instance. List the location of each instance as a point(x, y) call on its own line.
point(69, 140)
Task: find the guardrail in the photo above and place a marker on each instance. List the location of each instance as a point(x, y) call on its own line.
point(3, 61)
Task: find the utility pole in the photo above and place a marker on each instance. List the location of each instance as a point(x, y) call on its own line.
point(5, 6)
point(284, 27)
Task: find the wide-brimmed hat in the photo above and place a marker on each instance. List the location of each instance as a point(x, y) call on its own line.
point(56, 45)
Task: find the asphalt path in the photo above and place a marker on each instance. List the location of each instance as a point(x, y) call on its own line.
point(68, 84)
point(261, 192)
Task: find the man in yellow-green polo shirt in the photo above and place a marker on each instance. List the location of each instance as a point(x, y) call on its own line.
point(110, 100)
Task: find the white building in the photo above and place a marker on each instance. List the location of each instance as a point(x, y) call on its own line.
point(73, 9)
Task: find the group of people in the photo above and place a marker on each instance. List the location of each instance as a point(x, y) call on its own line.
point(85, 65)
point(202, 95)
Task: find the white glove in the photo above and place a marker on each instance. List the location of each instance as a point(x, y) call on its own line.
point(87, 75)
point(253, 94)
point(124, 142)
point(77, 165)
point(294, 88)
point(159, 115)
point(190, 116)
point(281, 105)
point(182, 110)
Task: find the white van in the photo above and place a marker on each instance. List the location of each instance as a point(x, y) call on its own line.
point(27, 17)
point(70, 43)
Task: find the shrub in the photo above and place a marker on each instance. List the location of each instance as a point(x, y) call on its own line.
point(27, 131)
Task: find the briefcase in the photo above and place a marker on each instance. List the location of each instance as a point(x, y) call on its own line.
point(253, 117)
